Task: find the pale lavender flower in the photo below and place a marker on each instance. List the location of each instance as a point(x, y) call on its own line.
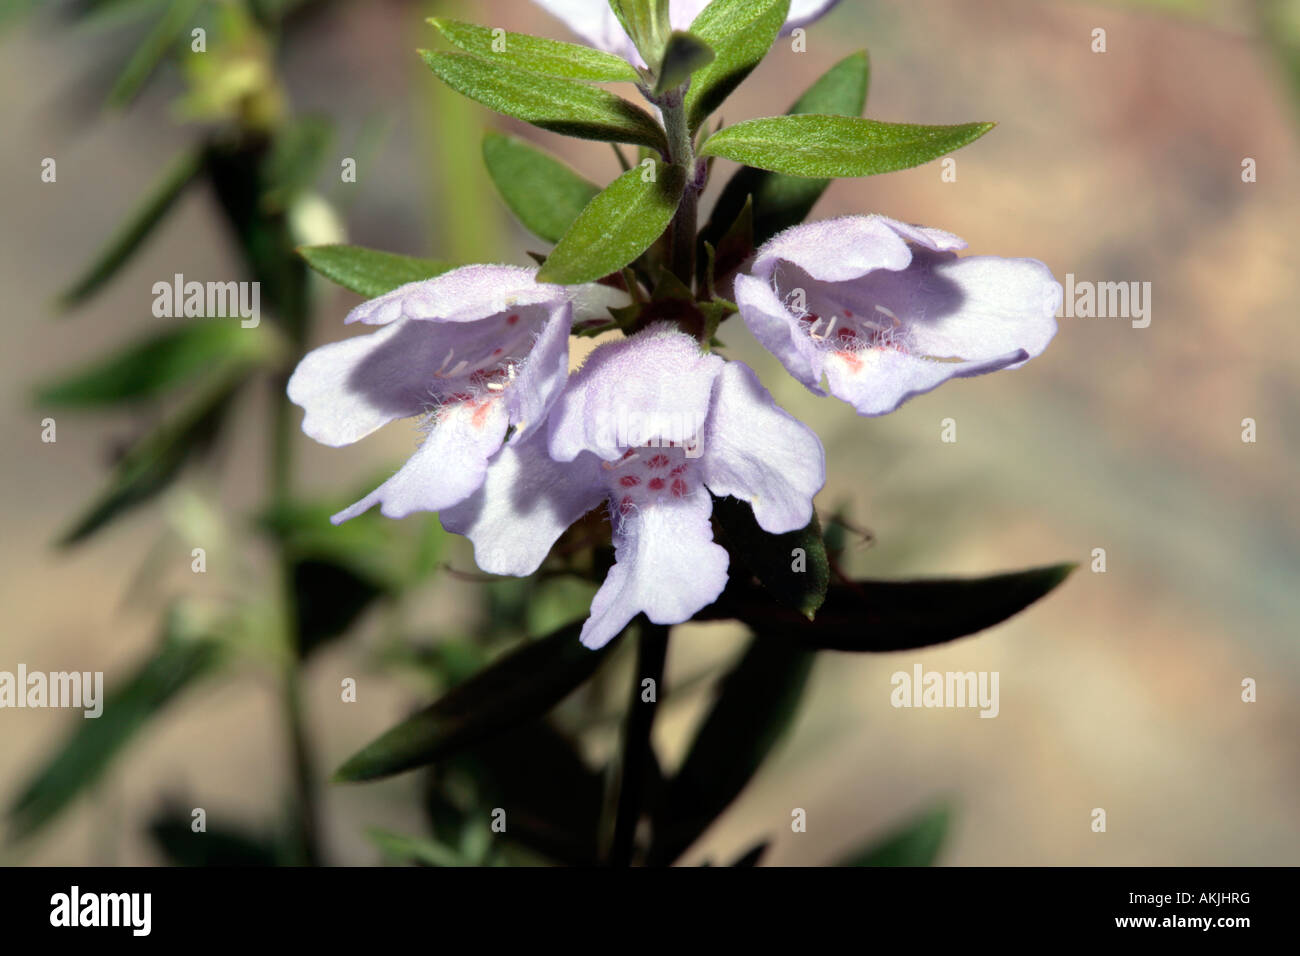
point(594, 21)
point(650, 425)
point(475, 351)
point(883, 311)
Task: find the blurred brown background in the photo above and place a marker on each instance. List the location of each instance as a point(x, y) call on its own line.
point(1120, 691)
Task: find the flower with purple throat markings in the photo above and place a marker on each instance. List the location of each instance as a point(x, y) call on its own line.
point(707, 426)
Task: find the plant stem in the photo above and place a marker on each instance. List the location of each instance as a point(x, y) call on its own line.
point(681, 152)
point(652, 651)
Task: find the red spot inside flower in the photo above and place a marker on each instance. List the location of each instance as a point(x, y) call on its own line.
point(679, 488)
point(496, 352)
point(628, 454)
point(481, 410)
point(512, 319)
point(810, 318)
point(626, 507)
point(848, 314)
point(851, 360)
point(461, 397)
point(629, 481)
point(658, 461)
point(655, 484)
point(677, 471)
point(846, 335)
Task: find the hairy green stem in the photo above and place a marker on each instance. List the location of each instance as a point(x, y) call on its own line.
point(681, 152)
point(652, 651)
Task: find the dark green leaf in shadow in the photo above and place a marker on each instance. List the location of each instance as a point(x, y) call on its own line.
point(329, 598)
point(544, 193)
point(161, 362)
point(173, 833)
point(154, 463)
point(131, 235)
point(551, 797)
point(166, 33)
point(753, 855)
point(296, 156)
point(755, 706)
point(916, 843)
point(370, 272)
point(523, 684)
point(791, 567)
point(421, 851)
point(894, 615)
point(95, 742)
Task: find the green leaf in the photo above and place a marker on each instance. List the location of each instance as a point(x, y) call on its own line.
point(400, 848)
point(880, 616)
point(92, 745)
point(684, 54)
point(329, 597)
point(523, 684)
point(819, 146)
point(755, 706)
point(556, 814)
point(157, 364)
point(916, 843)
point(617, 226)
point(740, 33)
point(164, 35)
point(561, 106)
point(782, 201)
point(216, 846)
point(570, 61)
point(772, 557)
point(137, 228)
point(295, 159)
point(752, 855)
point(370, 272)
point(647, 23)
point(155, 462)
point(544, 193)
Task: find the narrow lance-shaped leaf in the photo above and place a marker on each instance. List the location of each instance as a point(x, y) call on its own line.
point(370, 272)
point(131, 235)
point(755, 706)
point(166, 32)
point(91, 747)
point(916, 843)
point(543, 192)
point(146, 369)
point(740, 32)
point(570, 61)
point(791, 567)
point(523, 684)
point(618, 225)
point(152, 464)
point(561, 106)
point(820, 146)
point(782, 201)
point(879, 616)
